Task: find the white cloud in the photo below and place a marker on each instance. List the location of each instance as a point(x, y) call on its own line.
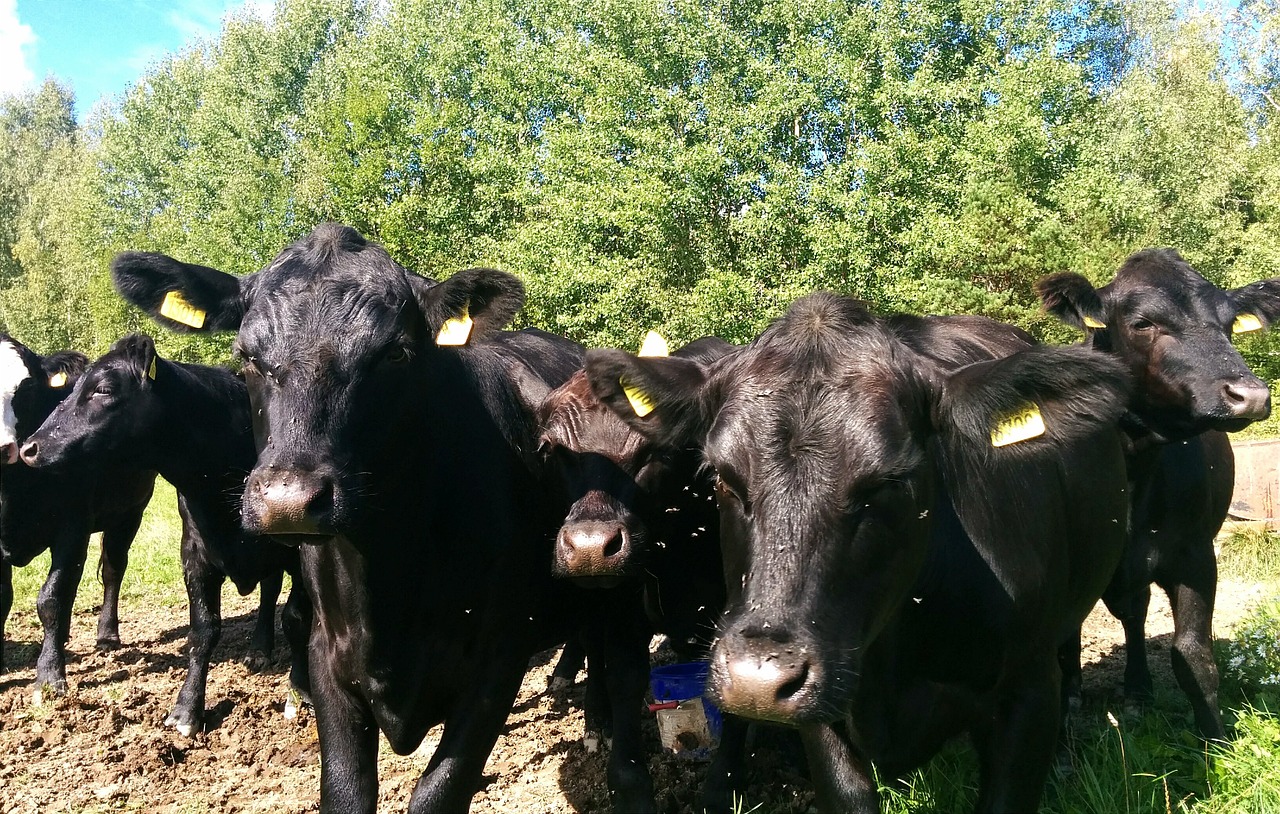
point(202, 19)
point(15, 75)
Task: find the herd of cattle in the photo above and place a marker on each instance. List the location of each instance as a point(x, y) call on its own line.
point(882, 531)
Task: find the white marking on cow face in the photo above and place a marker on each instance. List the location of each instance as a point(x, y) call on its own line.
point(13, 372)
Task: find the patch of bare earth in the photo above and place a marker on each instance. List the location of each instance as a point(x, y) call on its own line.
point(103, 747)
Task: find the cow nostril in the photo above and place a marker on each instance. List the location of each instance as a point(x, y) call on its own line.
point(616, 544)
point(29, 453)
point(791, 687)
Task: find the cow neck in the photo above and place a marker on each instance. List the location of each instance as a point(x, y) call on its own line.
point(205, 437)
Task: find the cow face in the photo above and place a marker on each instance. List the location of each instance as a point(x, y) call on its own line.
point(822, 434)
point(1173, 330)
point(611, 475)
point(30, 387)
point(109, 414)
point(338, 344)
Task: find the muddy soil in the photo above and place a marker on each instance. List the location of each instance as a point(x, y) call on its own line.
point(103, 747)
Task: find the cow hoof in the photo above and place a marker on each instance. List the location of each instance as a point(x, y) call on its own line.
point(1073, 704)
point(557, 684)
point(591, 742)
point(257, 661)
point(185, 726)
point(294, 703)
point(108, 644)
point(48, 690)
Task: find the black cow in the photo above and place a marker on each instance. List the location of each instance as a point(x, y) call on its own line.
point(39, 511)
point(904, 580)
point(642, 528)
point(1172, 329)
point(397, 448)
point(191, 424)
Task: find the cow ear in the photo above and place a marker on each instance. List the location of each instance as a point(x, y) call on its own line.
point(61, 369)
point(1040, 394)
point(661, 397)
point(1257, 305)
point(182, 296)
point(1073, 299)
point(140, 350)
point(470, 305)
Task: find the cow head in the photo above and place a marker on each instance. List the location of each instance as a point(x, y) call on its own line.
point(30, 387)
point(109, 413)
point(821, 434)
point(1172, 329)
point(337, 341)
point(613, 476)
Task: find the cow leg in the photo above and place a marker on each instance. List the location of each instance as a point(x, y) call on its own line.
point(725, 774)
point(572, 658)
point(112, 563)
point(1131, 609)
point(204, 595)
point(1072, 676)
point(263, 640)
point(296, 621)
point(348, 743)
point(627, 652)
point(1016, 747)
point(6, 601)
point(1192, 653)
point(596, 726)
point(54, 605)
point(454, 772)
point(842, 778)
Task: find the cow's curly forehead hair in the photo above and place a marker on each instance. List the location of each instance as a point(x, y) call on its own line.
point(332, 277)
point(823, 391)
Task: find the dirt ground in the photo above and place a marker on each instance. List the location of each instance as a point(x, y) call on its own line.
point(103, 748)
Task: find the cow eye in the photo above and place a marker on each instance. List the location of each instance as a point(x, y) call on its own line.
point(397, 355)
point(250, 366)
point(1142, 324)
point(727, 494)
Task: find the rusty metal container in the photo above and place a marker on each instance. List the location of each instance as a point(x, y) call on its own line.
point(1257, 489)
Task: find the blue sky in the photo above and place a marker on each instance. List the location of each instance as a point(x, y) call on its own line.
point(100, 47)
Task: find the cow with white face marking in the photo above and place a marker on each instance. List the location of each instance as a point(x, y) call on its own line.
point(397, 448)
point(911, 539)
point(1172, 329)
point(39, 511)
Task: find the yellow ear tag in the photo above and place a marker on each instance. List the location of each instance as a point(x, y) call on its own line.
point(456, 331)
point(1090, 322)
point(1020, 425)
point(58, 379)
point(1245, 323)
point(653, 345)
point(151, 371)
point(176, 308)
point(640, 402)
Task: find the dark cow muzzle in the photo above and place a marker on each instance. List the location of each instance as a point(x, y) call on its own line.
point(592, 548)
point(769, 677)
point(1247, 398)
point(282, 501)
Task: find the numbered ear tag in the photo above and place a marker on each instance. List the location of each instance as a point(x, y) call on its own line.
point(1246, 323)
point(456, 331)
point(176, 308)
point(653, 345)
point(151, 371)
point(58, 379)
point(1090, 322)
point(640, 401)
point(1020, 425)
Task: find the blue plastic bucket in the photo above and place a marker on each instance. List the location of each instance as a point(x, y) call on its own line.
point(680, 682)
